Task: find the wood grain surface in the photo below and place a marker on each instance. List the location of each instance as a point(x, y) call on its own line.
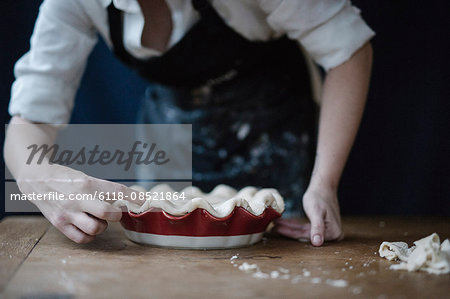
point(18, 236)
point(114, 267)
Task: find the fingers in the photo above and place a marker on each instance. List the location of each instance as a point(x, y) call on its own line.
point(341, 236)
point(102, 210)
point(333, 230)
point(89, 224)
point(80, 219)
point(325, 229)
point(75, 234)
point(112, 187)
point(290, 222)
point(129, 194)
point(79, 227)
point(292, 230)
point(317, 234)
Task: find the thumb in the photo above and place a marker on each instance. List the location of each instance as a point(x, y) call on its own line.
point(317, 229)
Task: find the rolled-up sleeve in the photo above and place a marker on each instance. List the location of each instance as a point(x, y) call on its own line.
point(48, 76)
point(329, 30)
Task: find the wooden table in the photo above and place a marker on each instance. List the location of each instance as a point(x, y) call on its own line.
point(38, 261)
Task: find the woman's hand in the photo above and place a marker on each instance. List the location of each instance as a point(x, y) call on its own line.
point(322, 208)
point(79, 220)
point(343, 101)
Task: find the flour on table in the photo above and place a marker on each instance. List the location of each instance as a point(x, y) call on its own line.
point(246, 267)
point(283, 274)
point(337, 283)
point(254, 269)
point(274, 274)
point(257, 273)
point(427, 254)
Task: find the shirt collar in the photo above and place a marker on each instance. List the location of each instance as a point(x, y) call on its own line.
point(129, 6)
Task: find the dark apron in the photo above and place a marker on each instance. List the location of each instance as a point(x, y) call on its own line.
point(249, 103)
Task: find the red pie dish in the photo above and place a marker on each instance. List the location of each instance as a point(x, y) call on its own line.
point(199, 229)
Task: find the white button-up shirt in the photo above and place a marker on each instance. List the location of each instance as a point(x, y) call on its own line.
point(48, 76)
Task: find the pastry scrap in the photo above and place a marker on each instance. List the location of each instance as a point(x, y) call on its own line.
point(427, 254)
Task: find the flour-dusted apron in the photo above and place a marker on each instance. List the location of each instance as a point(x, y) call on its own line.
point(249, 102)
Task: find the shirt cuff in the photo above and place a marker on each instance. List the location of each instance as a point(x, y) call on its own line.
point(41, 99)
point(334, 42)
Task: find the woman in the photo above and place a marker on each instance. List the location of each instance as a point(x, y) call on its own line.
point(234, 69)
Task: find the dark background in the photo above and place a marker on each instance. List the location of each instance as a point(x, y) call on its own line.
point(400, 163)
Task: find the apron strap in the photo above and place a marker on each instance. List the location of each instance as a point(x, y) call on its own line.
point(200, 4)
point(115, 20)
